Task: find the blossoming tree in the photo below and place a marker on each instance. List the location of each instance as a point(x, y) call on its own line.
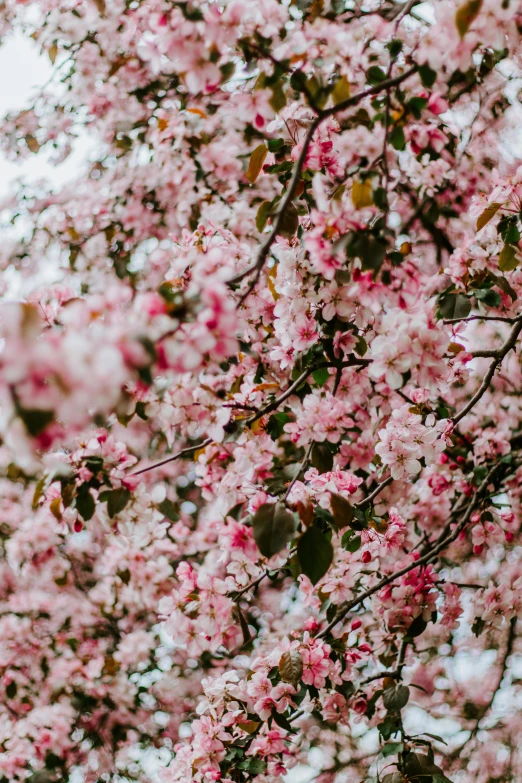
point(261, 412)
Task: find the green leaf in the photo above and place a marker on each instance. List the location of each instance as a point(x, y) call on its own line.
point(282, 722)
point(395, 777)
point(507, 260)
point(375, 75)
point(342, 510)
point(419, 766)
point(93, 463)
point(190, 12)
point(85, 503)
point(488, 214)
point(488, 296)
point(117, 499)
point(397, 138)
point(10, 690)
point(416, 105)
point(428, 75)
point(255, 164)
point(289, 222)
point(321, 376)
point(35, 420)
point(512, 234)
point(504, 286)
point(454, 306)
point(395, 47)
point(168, 510)
point(351, 541)
point(361, 346)
point(275, 144)
point(434, 736)
point(263, 213)
point(276, 423)
point(417, 627)
point(315, 554)
point(273, 526)
point(396, 697)
point(392, 749)
point(388, 726)
point(321, 458)
point(278, 99)
point(369, 249)
point(253, 765)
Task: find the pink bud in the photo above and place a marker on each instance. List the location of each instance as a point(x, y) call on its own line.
point(437, 104)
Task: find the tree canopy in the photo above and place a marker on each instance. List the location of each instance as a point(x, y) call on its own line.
point(260, 395)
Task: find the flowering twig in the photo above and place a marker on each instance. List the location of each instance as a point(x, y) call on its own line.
point(423, 560)
point(264, 250)
point(180, 455)
point(498, 355)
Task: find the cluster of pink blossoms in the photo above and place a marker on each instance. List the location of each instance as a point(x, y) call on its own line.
point(260, 377)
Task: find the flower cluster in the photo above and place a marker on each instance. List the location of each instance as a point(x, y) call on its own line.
point(260, 377)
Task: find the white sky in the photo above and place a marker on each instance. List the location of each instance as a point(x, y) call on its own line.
point(22, 70)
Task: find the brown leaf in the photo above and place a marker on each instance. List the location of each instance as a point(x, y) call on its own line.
point(341, 510)
point(306, 513)
point(39, 491)
point(110, 667)
point(362, 195)
point(270, 282)
point(245, 630)
point(52, 52)
point(250, 727)
point(341, 91)
point(32, 143)
point(466, 15)
point(55, 508)
point(455, 348)
point(488, 214)
point(263, 213)
point(291, 667)
point(255, 164)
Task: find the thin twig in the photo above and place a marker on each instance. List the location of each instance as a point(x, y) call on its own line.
point(183, 453)
point(503, 668)
point(499, 355)
point(423, 560)
point(352, 362)
point(503, 318)
point(302, 466)
point(354, 100)
point(375, 492)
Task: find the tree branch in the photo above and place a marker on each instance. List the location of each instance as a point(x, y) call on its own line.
point(180, 455)
point(264, 250)
point(423, 560)
point(499, 356)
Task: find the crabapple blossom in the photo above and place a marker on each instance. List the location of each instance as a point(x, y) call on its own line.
point(260, 372)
